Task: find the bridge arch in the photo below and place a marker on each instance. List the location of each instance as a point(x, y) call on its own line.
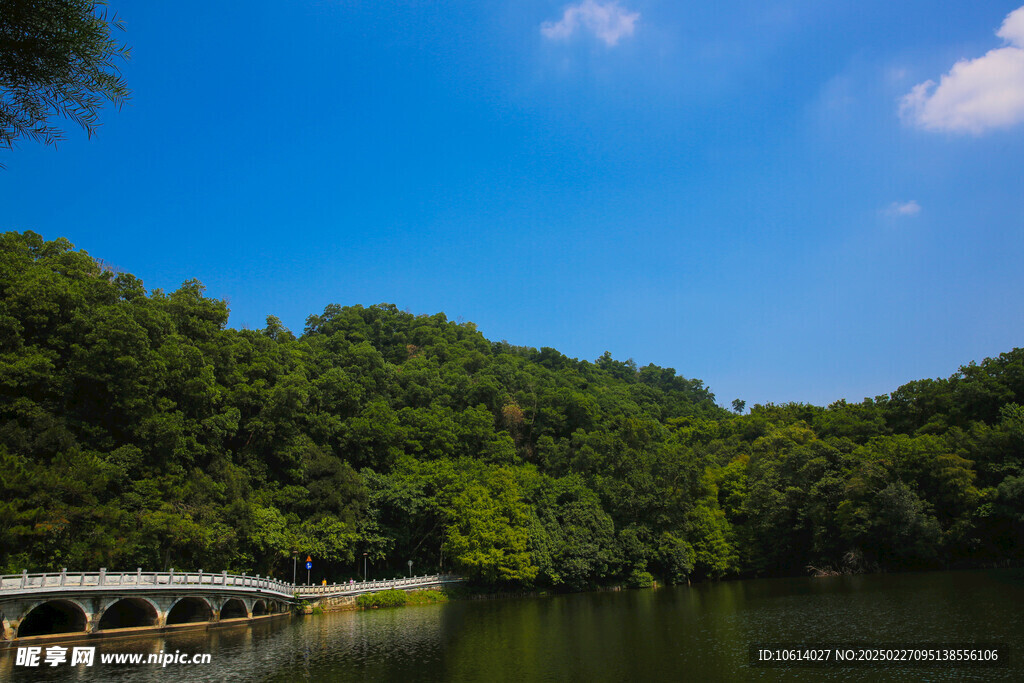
point(190, 610)
point(233, 608)
point(259, 608)
point(128, 613)
point(53, 616)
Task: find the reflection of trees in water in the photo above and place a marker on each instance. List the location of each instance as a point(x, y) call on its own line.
point(627, 635)
point(414, 633)
point(339, 645)
point(694, 633)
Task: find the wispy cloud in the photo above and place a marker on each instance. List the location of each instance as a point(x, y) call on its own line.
point(977, 94)
point(606, 20)
point(911, 208)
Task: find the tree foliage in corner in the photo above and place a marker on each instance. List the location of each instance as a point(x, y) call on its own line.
point(57, 57)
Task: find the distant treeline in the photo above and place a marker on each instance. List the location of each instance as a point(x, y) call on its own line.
point(137, 430)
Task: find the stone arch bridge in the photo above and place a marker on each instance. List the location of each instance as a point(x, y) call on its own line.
point(84, 603)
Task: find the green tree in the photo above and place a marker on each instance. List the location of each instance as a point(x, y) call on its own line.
point(57, 57)
point(487, 531)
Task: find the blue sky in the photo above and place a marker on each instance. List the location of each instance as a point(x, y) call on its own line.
point(792, 200)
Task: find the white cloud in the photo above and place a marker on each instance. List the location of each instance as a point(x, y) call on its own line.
point(911, 208)
point(976, 94)
point(607, 21)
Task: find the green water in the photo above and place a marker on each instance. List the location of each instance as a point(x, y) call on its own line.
point(698, 633)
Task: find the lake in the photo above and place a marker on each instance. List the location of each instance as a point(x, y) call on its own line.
point(703, 632)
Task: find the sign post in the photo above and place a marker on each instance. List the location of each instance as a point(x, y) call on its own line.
point(309, 565)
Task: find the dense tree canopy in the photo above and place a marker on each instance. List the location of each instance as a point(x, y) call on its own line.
point(137, 429)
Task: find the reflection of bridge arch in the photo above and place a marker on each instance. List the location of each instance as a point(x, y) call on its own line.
point(53, 616)
point(233, 608)
point(190, 610)
point(128, 613)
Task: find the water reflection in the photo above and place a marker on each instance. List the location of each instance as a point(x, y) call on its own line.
point(701, 633)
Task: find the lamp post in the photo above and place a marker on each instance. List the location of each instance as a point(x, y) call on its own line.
point(364, 566)
point(295, 554)
point(410, 569)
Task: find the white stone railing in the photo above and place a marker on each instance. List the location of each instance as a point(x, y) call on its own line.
point(102, 580)
point(373, 586)
point(138, 579)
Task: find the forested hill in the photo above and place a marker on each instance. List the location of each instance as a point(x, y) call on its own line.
point(136, 429)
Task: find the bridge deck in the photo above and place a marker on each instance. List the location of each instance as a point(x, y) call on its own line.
point(25, 584)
